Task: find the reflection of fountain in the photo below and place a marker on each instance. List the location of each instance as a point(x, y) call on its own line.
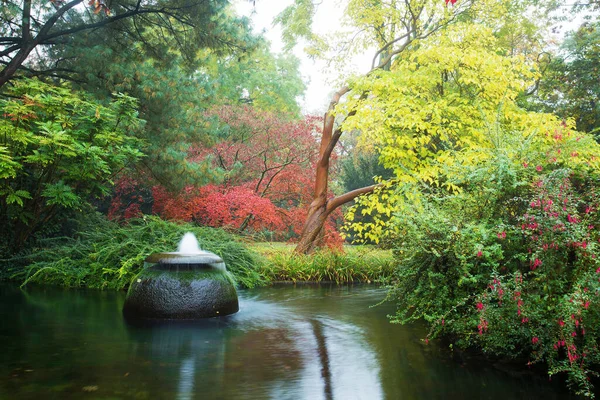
point(187, 284)
point(186, 378)
point(178, 353)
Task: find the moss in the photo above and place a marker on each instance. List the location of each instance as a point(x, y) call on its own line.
point(187, 276)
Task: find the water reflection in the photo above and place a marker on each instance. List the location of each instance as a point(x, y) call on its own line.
point(317, 328)
point(186, 379)
point(285, 343)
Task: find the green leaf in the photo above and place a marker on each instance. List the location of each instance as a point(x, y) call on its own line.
point(60, 194)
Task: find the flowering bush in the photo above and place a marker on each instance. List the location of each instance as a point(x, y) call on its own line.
point(509, 265)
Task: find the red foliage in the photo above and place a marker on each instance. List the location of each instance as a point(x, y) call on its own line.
point(218, 206)
point(259, 146)
point(127, 200)
point(268, 163)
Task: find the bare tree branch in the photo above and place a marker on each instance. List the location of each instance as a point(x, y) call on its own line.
point(346, 197)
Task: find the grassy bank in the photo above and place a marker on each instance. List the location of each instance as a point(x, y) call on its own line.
point(107, 255)
point(354, 264)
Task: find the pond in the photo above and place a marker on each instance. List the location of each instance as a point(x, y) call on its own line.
point(286, 342)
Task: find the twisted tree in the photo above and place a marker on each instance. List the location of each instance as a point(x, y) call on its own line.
point(390, 29)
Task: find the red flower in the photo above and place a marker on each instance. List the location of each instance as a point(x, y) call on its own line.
point(480, 306)
point(535, 339)
point(450, 1)
point(479, 253)
point(538, 168)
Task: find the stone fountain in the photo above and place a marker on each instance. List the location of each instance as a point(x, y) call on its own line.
point(187, 284)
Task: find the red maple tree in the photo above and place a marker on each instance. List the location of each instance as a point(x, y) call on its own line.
point(267, 163)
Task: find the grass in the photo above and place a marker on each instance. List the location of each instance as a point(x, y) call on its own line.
point(354, 264)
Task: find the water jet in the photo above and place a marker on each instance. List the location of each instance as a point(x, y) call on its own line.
point(187, 284)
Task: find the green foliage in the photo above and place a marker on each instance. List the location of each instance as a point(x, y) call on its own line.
point(296, 20)
point(361, 170)
point(105, 255)
point(454, 96)
point(173, 99)
point(492, 209)
point(269, 82)
point(58, 151)
point(570, 85)
point(163, 29)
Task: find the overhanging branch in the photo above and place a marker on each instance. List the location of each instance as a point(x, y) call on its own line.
point(346, 197)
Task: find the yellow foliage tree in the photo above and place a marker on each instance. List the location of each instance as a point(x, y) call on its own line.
point(452, 101)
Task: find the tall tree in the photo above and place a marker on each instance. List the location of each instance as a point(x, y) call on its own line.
point(571, 87)
point(29, 28)
point(390, 28)
point(266, 162)
point(448, 97)
point(174, 92)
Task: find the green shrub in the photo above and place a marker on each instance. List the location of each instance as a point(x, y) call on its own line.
point(58, 151)
point(104, 254)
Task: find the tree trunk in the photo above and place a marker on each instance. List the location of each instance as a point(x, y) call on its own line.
point(7, 73)
point(312, 234)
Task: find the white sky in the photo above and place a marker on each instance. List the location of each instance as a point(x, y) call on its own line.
point(315, 74)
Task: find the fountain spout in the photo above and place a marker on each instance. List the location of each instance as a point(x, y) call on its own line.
point(189, 244)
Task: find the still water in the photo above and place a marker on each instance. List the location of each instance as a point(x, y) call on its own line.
point(286, 342)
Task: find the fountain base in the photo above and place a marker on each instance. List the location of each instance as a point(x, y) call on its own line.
point(179, 286)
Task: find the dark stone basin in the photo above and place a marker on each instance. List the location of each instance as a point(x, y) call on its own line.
point(182, 286)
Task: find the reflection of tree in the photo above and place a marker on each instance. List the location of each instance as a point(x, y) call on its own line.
point(323, 357)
